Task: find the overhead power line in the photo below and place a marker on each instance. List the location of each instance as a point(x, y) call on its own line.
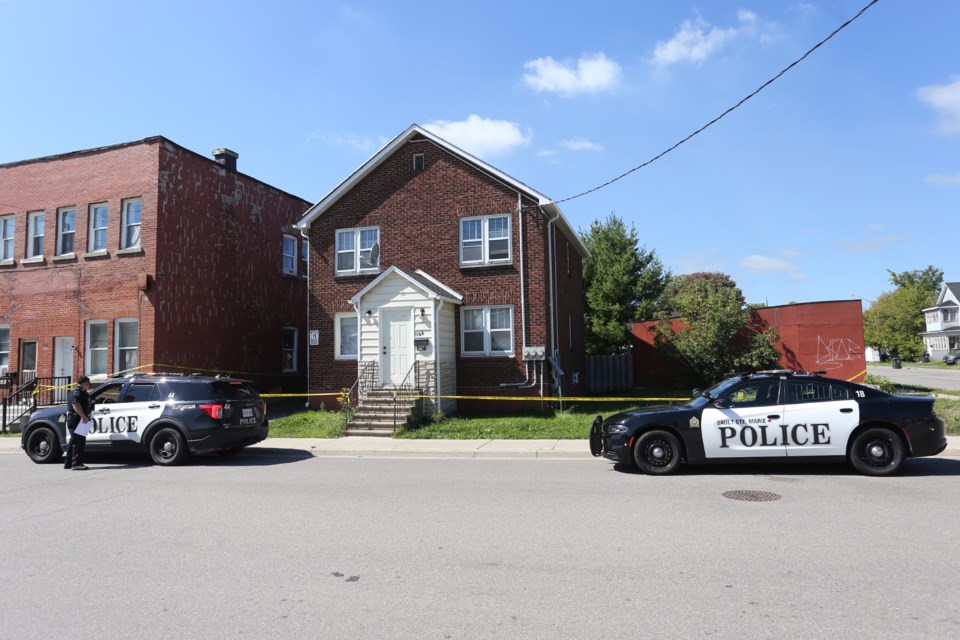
point(733, 108)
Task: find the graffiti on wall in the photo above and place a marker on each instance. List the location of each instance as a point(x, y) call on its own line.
point(833, 352)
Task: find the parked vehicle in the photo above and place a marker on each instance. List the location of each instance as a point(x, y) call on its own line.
point(952, 358)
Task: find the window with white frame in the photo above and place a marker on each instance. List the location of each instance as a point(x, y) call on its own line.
point(931, 317)
point(289, 255)
point(486, 331)
point(346, 330)
point(6, 237)
point(127, 337)
point(130, 237)
point(97, 235)
point(949, 315)
point(304, 257)
point(485, 240)
point(96, 352)
point(4, 348)
point(289, 349)
point(66, 230)
point(358, 250)
point(35, 224)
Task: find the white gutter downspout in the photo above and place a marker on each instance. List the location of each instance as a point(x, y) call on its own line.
point(303, 235)
point(436, 357)
point(526, 384)
point(550, 251)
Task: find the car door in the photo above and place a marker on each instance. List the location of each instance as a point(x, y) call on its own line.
point(820, 417)
point(744, 422)
point(103, 398)
point(138, 405)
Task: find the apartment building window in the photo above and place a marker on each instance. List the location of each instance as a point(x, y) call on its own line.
point(4, 348)
point(949, 315)
point(486, 331)
point(131, 224)
point(98, 228)
point(96, 352)
point(346, 336)
point(66, 230)
point(485, 240)
point(35, 223)
point(358, 250)
point(304, 258)
point(289, 349)
point(6, 237)
point(289, 255)
point(127, 338)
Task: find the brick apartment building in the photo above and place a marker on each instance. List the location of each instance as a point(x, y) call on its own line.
point(428, 255)
point(147, 253)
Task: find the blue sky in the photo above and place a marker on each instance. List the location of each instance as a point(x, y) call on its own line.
point(845, 167)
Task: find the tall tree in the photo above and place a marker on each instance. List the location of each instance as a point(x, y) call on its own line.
point(623, 283)
point(894, 321)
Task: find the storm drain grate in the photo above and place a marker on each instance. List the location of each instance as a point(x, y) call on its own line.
point(749, 495)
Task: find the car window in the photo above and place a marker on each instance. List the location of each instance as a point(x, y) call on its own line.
point(809, 391)
point(139, 392)
point(840, 393)
point(235, 390)
point(188, 391)
point(107, 394)
point(755, 394)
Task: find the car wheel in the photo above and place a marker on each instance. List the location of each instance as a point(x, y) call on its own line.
point(877, 452)
point(43, 446)
point(167, 447)
point(596, 442)
point(657, 453)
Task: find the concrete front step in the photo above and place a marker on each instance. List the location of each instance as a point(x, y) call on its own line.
point(363, 431)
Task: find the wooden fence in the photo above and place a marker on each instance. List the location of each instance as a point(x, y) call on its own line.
point(609, 373)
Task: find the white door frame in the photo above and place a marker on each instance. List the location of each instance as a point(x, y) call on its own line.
point(384, 313)
point(62, 363)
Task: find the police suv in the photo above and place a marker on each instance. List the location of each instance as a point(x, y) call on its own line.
point(169, 415)
point(774, 416)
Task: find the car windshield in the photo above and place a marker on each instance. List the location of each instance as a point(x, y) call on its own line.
point(716, 390)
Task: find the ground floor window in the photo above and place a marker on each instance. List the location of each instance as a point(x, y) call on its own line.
point(346, 332)
point(4, 349)
point(126, 334)
point(96, 352)
point(486, 331)
point(289, 349)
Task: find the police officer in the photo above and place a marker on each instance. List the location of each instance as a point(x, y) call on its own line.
point(79, 408)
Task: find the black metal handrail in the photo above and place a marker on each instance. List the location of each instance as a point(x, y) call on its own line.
point(351, 397)
point(18, 404)
point(404, 389)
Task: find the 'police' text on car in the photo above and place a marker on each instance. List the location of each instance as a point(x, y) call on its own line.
point(775, 416)
point(168, 415)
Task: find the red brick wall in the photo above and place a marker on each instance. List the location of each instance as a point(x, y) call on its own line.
point(418, 215)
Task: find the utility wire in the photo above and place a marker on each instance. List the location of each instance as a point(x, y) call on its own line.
point(734, 107)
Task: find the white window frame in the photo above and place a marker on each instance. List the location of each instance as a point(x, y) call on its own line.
point(485, 240)
point(949, 315)
point(487, 341)
point(304, 258)
point(356, 251)
point(293, 360)
point(5, 353)
point(62, 233)
point(88, 351)
point(126, 226)
point(289, 260)
point(118, 347)
point(7, 236)
point(93, 230)
point(337, 334)
point(35, 234)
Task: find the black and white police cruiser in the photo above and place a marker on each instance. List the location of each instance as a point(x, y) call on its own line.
point(775, 416)
point(168, 415)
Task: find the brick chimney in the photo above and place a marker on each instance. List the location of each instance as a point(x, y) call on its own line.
point(226, 158)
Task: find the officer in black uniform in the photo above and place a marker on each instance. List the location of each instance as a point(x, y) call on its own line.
point(79, 408)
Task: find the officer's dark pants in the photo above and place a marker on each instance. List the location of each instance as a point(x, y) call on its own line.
point(75, 449)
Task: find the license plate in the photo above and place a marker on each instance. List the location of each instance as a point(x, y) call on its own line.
point(248, 413)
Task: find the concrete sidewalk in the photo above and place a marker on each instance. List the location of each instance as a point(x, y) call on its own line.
point(369, 447)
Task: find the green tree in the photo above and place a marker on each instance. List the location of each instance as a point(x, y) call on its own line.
point(718, 332)
point(894, 321)
point(623, 283)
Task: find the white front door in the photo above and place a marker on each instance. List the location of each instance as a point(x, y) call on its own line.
point(62, 366)
point(396, 345)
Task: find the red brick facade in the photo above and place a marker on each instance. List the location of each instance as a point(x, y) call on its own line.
point(205, 283)
point(418, 213)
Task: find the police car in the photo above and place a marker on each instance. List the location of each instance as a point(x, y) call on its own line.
point(168, 415)
point(775, 416)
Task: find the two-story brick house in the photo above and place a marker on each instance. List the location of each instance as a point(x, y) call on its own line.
point(943, 322)
point(148, 253)
point(428, 256)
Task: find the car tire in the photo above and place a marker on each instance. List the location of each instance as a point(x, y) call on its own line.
point(43, 446)
point(167, 447)
point(657, 453)
point(877, 452)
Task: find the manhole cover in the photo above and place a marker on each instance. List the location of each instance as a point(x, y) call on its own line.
point(752, 496)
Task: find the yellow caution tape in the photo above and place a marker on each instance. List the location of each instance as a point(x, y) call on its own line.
point(300, 395)
point(549, 398)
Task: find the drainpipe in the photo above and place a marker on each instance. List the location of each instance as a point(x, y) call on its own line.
point(436, 357)
point(551, 232)
point(306, 404)
point(527, 383)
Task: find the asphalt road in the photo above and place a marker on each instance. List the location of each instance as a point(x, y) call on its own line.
point(278, 544)
point(948, 379)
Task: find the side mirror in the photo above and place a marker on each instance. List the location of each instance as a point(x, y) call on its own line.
point(720, 403)
point(695, 392)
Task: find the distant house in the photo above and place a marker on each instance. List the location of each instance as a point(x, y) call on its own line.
point(148, 253)
point(943, 325)
point(431, 268)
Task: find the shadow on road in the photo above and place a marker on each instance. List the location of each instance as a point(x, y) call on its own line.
point(913, 467)
point(259, 457)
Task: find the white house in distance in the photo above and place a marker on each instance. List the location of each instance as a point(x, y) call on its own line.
point(943, 325)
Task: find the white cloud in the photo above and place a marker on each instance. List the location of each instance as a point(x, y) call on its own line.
point(593, 73)
point(868, 245)
point(938, 180)
point(481, 136)
point(696, 40)
point(703, 260)
point(772, 265)
point(353, 140)
point(580, 144)
point(945, 100)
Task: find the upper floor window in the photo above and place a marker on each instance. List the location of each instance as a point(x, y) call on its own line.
point(949, 315)
point(304, 257)
point(96, 352)
point(130, 237)
point(4, 349)
point(66, 230)
point(485, 240)
point(289, 255)
point(98, 228)
point(126, 335)
point(35, 223)
point(930, 317)
point(289, 349)
point(358, 250)
point(486, 331)
point(6, 237)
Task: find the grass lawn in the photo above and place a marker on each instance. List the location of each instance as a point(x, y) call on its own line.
point(308, 424)
point(933, 364)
